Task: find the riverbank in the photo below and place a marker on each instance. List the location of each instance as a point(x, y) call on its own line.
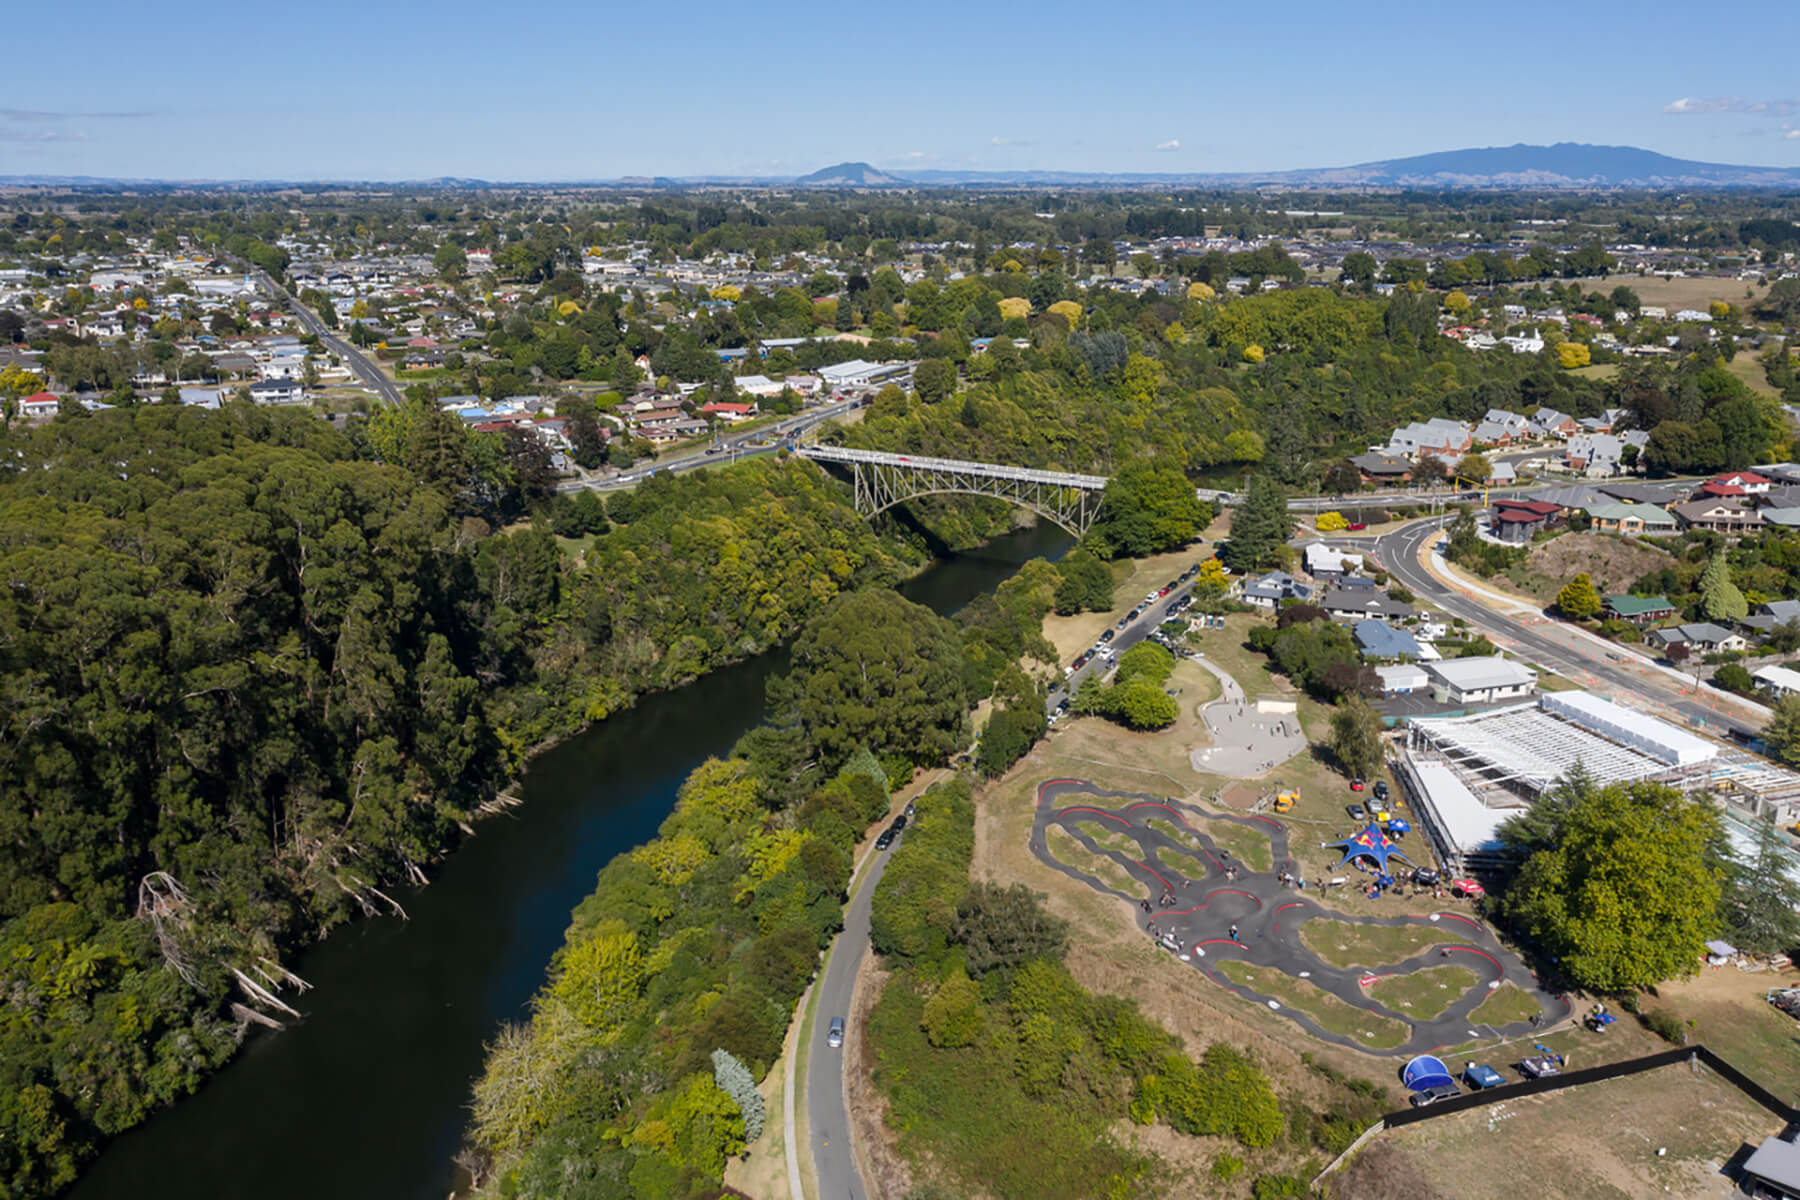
point(367, 1095)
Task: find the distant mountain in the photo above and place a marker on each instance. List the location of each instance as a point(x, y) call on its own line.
point(849, 174)
point(1566, 164)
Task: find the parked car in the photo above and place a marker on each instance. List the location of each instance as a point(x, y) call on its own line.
point(1107, 636)
point(1356, 812)
point(1357, 526)
point(1431, 1095)
point(912, 808)
point(1426, 877)
point(899, 823)
point(1467, 887)
point(886, 839)
point(1381, 789)
point(1356, 785)
point(834, 1037)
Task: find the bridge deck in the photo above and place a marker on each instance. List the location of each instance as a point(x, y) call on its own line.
point(919, 462)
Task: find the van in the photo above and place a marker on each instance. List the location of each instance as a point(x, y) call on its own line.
point(834, 1037)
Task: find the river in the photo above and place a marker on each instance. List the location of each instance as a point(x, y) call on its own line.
point(366, 1096)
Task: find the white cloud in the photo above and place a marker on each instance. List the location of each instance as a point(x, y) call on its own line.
point(1792, 135)
point(1732, 104)
point(915, 155)
point(1171, 144)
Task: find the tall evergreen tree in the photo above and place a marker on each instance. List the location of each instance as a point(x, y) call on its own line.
point(1720, 599)
point(1259, 526)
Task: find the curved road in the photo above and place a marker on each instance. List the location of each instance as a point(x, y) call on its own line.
point(1569, 655)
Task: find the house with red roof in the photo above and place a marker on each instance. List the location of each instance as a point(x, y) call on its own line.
point(1518, 520)
point(39, 405)
point(729, 410)
point(1751, 483)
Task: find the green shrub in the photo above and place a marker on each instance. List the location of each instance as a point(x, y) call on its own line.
point(1227, 1167)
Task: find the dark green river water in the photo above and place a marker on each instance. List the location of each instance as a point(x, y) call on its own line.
point(366, 1097)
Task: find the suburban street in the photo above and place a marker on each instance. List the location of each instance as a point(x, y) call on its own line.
point(1548, 645)
point(1124, 639)
point(358, 362)
point(834, 1157)
point(736, 449)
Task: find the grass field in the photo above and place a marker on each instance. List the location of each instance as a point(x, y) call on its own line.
point(1425, 994)
point(1332, 1014)
point(1505, 1005)
point(1661, 1133)
point(1071, 853)
point(1108, 836)
point(1731, 1015)
point(1345, 945)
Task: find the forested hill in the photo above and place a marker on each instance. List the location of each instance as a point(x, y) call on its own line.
point(255, 683)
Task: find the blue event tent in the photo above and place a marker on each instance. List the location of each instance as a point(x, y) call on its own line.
point(1425, 1071)
point(1371, 844)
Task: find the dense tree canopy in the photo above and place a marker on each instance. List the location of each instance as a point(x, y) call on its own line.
point(1620, 884)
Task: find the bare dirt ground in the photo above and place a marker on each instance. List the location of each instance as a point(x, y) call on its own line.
point(1612, 563)
point(1731, 1015)
point(1598, 1142)
point(885, 1170)
point(1689, 291)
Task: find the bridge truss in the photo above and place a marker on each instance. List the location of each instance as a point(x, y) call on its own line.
point(884, 480)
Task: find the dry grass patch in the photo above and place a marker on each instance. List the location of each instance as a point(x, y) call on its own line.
point(1731, 1015)
point(1424, 995)
point(1613, 563)
point(1072, 854)
point(1343, 944)
point(1332, 1014)
point(1505, 1005)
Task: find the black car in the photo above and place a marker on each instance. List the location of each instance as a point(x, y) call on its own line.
point(1381, 789)
point(1431, 1095)
point(1426, 877)
point(899, 823)
point(1107, 636)
point(886, 839)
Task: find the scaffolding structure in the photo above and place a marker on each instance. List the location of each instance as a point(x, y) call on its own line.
point(1526, 749)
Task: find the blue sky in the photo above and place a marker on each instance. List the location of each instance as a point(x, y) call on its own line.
point(564, 90)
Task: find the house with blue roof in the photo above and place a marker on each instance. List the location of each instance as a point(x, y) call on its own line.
point(1379, 640)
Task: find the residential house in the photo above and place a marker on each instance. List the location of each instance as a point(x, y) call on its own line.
point(1355, 604)
point(1440, 436)
point(1721, 515)
point(1379, 640)
point(277, 391)
point(1659, 494)
point(1599, 455)
point(1484, 680)
point(1268, 591)
point(1547, 422)
point(1376, 467)
point(1518, 521)
point(1612, 516)
point(1772, 615)
point(1327, 563)
point(1778, 682)
point(1749, 483)
point(40, 405)
point(1639, 610)
point(729, 411)
point(1703, 636)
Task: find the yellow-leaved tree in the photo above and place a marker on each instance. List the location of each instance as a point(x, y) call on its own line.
point(1068, 310)
point(728, 291)
point(1253, 353)
point(601, 977)
point(1200, 291)
point(1457, 302)
point(1331, 522)
point(1570, 355)
point(1015, 306)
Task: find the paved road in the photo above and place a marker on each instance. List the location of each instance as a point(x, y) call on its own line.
point(359, 363)
point(1123, 639)
point(834, 1160)
point(732, 450)
point(1267, 916)
point(1549, 645)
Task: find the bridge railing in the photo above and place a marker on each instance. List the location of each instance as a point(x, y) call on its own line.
point(843, 454)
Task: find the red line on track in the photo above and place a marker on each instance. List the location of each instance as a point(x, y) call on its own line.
point(1097, 812)
point(1459, 917)
point(1158, 874)
point(1264, 820)
point(1483, 953)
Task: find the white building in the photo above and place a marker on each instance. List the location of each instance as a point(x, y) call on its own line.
point(1777, 681)
point(1480, 680)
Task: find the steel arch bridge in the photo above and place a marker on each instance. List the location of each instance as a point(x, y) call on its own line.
point(884, 480)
